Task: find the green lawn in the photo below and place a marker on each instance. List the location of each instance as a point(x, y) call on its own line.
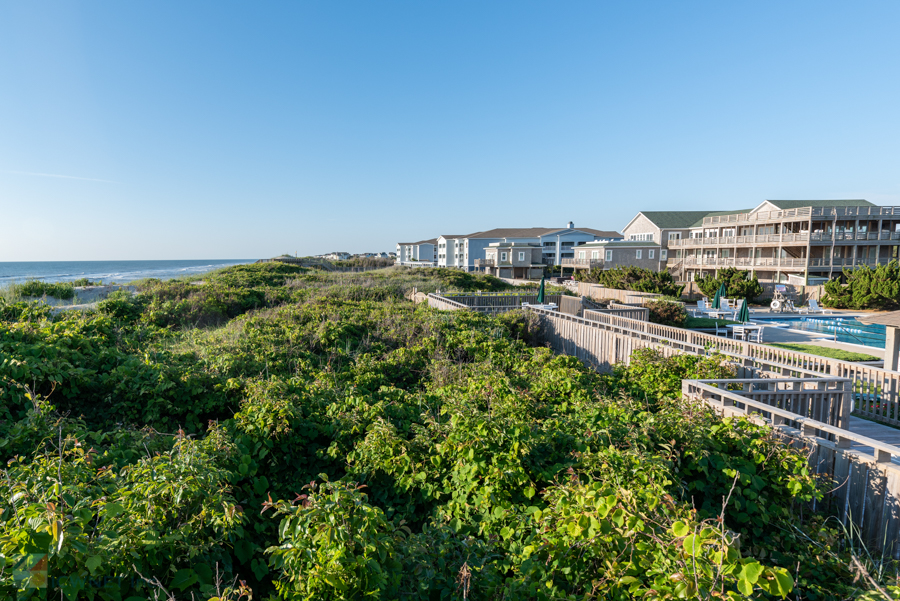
point(825, 351)
point(694, 323)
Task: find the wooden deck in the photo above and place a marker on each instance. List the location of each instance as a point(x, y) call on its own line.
point(879, 432)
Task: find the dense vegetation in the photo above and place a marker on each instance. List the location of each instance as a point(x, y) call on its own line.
point(738, 284)
point(866, 288)
point(667, 313)
point(633, 278)
point(292, 434)
point(364, 263)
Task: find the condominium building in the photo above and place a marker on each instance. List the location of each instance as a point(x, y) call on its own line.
point(419, 254)
point(556, 244)
point(796, 241)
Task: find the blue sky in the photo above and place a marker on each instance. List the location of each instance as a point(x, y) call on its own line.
point(238, 130)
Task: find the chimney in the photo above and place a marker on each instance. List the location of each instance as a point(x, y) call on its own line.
point(570, 225)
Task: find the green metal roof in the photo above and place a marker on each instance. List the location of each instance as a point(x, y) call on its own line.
point(793, 204)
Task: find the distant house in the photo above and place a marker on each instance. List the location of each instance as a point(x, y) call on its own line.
point(512, 260)
point(416, 254)
point(615, 253)
point(338, 256)
point(556, 243)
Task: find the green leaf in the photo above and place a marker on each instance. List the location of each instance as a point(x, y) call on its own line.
point(529, 492)
point(745, 587)
point(113, 509)
point(680, 529)
point(751, 572)
point(692, 545)
point(183, 579)
point(93, 563)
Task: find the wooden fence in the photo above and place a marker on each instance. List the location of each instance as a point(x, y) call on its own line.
point(866, 487)
point(629, 297)
point(630, 312)
point(876, 390)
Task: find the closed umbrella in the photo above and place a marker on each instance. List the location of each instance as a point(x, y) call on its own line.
point(540, 298)
point(721, 293)
point(744, 314)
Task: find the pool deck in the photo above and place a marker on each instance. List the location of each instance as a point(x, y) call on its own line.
point(787, 335)
point(877, 431)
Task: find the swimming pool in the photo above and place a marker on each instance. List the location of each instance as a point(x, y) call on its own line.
point(841, 329)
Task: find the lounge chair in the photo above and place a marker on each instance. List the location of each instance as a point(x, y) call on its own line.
point(813, 307)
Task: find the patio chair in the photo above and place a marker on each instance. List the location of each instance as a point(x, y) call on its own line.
point(739, 333)
point(756, 335)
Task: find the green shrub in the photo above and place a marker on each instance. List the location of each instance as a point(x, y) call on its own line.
point(633, 278)
point(60, 290)
point(667, 313)
point(738, 284)
point(866, 288)
point(460, 457)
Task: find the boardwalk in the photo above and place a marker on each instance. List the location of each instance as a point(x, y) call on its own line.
point(880, 432)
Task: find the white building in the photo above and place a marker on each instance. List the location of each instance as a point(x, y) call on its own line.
point(417, 254)
point(557, 243)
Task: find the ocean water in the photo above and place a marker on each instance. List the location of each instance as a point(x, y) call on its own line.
point(107, 271)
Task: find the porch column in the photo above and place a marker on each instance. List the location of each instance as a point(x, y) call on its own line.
point(891, 348)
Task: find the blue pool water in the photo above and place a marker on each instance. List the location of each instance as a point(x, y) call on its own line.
point(841, 329)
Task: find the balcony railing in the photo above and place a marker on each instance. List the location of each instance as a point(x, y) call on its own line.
point(846, 262)
point(484, 263)
point(588, 263)
point(742, 262)
point(855, 211)
point(741, 240)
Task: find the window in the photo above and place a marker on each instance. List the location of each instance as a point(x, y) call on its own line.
point(521, 256)
point(641, 237)
point(502, 256)
point(674, 235)
point(595, 254)
point(663, 254)
point(580, 254)
point(650, 253)
point(609, 255)
point(638, 253)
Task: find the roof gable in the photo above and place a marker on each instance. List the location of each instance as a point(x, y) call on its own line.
point(671, 220)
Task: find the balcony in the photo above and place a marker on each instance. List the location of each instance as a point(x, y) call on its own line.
point(582, 263)
point(731, 241)
point(743, 262)
point(847, 262)
point(801, 214)
point(855, 211)
point(485, 263)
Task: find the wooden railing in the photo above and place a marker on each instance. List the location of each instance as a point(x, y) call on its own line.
point(855, 211)
point(865, 489)
point(629, 297)
point(638, 313)
point(586, 263)
point(876, 390)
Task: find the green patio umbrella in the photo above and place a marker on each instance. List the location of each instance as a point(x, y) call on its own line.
point(744, 314)
point(720, 294)
point(540, 298)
